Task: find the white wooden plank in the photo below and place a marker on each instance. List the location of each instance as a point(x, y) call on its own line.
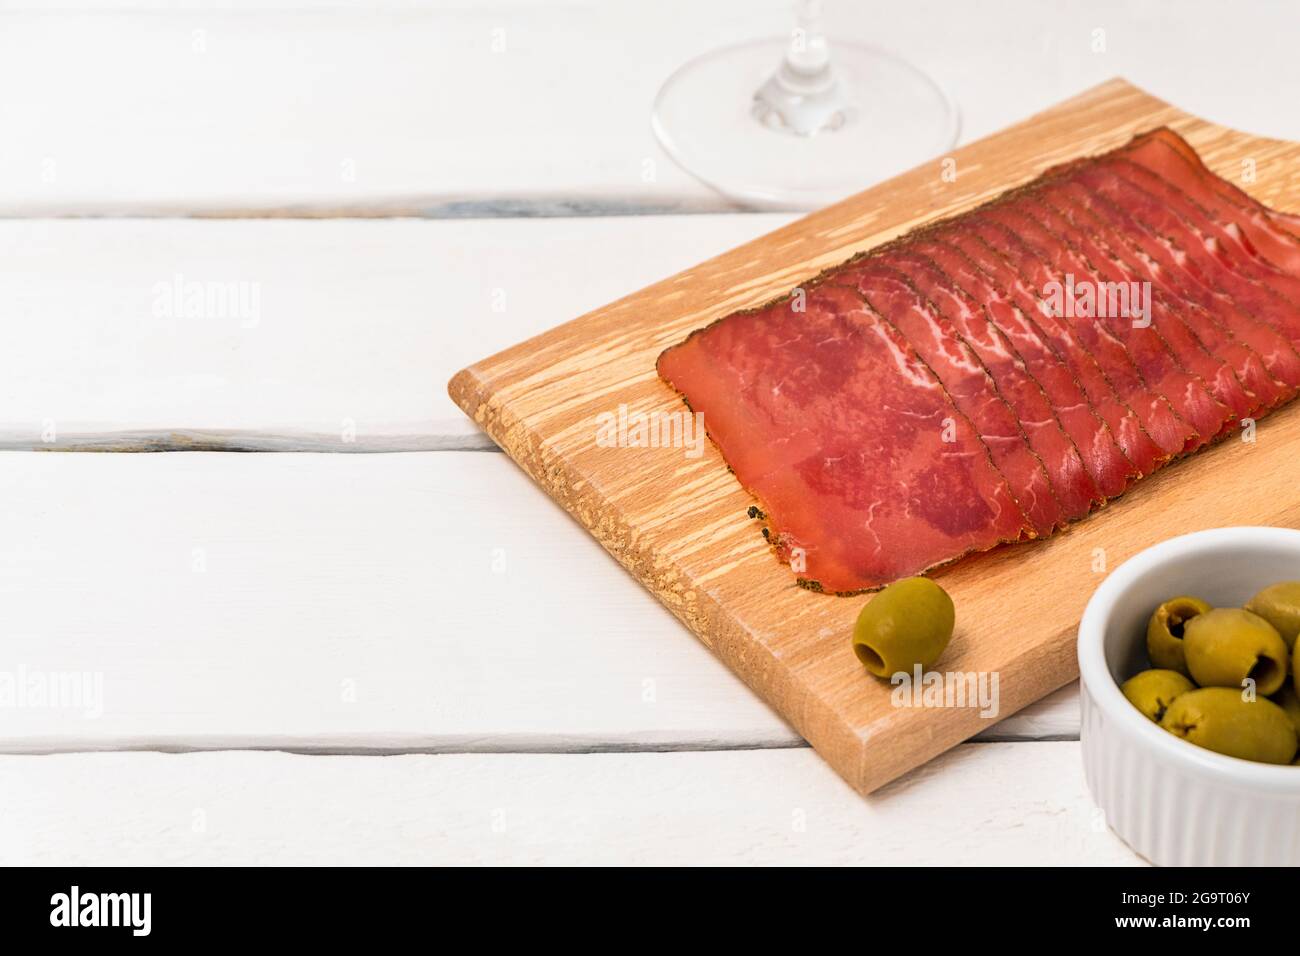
point(447, 108)
point(1055, 717)
point(394, 108)
point(332, 601)
point(333, 335)
point(979, 804)
point(425, 601)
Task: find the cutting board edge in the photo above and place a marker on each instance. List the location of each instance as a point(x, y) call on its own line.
point(693, 605)
point(460, 385)
point(486, 399)
point(813, 717)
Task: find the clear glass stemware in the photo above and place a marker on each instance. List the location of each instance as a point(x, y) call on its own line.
point(794, 123)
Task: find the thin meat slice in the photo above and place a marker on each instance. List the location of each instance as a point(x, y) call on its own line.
point(1127, 366)
point(1202, 388)
point(1170, 214)
point(1240, 341)
point(866, 470)
point(1015, 310)
point(1168, 430)
point(1266, 233)
point(1231, 291)
point(1204, 342)
point(1136, 358)
point(1287, 222)
point(1201, 276)
point(893, 296)
point(1017, 346)
point(1270, 349)
point(1087, 233)
point(963, 318)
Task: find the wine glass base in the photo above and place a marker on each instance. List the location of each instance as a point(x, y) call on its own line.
point(897, 118)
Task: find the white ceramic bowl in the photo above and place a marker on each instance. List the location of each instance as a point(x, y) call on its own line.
point(1173, 802)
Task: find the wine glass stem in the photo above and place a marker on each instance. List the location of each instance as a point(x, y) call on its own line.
point(808, 54)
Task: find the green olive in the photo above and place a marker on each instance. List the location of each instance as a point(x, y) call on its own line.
point(1287, 699)
point(908, 623)
point(1222, 720)
point(1226, 646)
point(1165, 631)
point(1153, 691)
point(1279, 604)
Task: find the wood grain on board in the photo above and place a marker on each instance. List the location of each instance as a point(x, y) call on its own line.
point(679, 523)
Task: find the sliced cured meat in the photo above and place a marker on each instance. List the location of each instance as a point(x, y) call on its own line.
point(1171, 433)
point(1266, 232)
point(1018, 347)
point(1148, 353)
point(964, 319)
point(1225, 243)
point(1237, 339)
point(865, 468)
point(1204, 342)
point(1165, 262)
point(1014, 308)
point(1190, 336)
point(893, 296)
point(1288, 221)
point(993, 377)
point(1202, 388)
point(1146, 375)
point(1232, 293)
point(1220, 241)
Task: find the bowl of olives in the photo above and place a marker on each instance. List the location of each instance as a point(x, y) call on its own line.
point(1188, 666)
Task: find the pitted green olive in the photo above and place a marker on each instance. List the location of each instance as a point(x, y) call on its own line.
point(1279, 604)
point(1222, 720)
point(1287, 699)
point(1165, 631)
point(908, 623)
point(1153, 691)
point(1226, 646)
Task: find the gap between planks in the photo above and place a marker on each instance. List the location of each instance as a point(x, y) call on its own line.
point(332, 568)
point(997, 804)
point(450, 436)
point(271, 335)
point(502, 746)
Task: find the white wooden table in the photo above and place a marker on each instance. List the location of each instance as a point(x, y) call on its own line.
point(410, 655)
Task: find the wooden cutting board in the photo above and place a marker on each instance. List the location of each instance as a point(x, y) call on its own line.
point(679, 524)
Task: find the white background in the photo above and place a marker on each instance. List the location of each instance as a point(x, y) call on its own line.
point(416, 656)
